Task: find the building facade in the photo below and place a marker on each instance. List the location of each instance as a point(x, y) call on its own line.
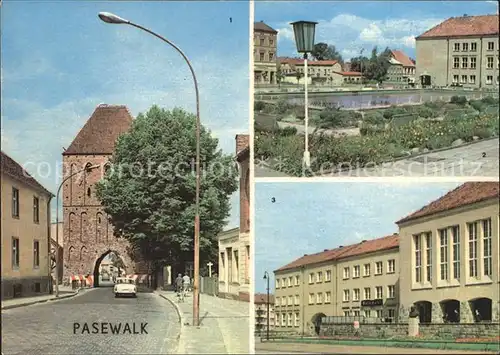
point(25, 229)
point(234, 245)
point(54, 245)
point(265, 53)
point(88, 233)
point(460, 51)
point(261, 312)
point(451, 257)
point(320, 72)
point(359, 280)
point(409, 68)
point(395, 71)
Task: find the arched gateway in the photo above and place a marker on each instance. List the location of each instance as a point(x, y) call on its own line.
point(88, 233)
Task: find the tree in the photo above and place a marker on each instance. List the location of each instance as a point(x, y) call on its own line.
point(117, 262)
point(377, 65)
point(298, 76)
point(149, 192)
point(323, 51)
point(279, 76)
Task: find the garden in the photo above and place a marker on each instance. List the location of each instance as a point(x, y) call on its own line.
point(385, 134)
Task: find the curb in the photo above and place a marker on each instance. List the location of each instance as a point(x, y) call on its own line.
point(42, 301)
point(180, 315)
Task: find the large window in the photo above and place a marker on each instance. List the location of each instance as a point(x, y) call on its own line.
point(472, 229)
point(15, 252)
point(355, 271)
point(378, 268)
point(366, 270)
point(355, 294)
point(328, 276)
point(379, 292)
point(346, 296)
point(368, 293)
point(488, 266)
point(455, 231)
point(346, 273)
point(15, 202)
point(229, 252)
point(428, 257)
point(36, 253)
point(418, 258)
point(443, 253)
point(36, 209)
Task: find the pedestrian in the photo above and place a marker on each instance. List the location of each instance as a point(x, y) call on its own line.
point(178, 283)
point(186, 282)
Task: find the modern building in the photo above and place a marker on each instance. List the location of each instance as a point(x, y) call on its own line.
point(25, 232)
point(355, 280)
point(234, 244)
point(261, 314)
point(460, 51)
point(450, 256)
point(265, 53)
point(409, 68)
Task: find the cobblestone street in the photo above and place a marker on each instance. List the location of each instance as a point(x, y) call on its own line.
point(47, 328)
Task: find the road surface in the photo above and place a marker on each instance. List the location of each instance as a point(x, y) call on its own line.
point(48, 328)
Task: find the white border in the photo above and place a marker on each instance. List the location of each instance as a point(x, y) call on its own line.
point(381, 179)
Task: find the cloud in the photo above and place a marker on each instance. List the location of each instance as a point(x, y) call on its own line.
point(285, 34)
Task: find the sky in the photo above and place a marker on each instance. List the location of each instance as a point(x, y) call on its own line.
point(59, 61)
point(353, 26)
point(306, 218)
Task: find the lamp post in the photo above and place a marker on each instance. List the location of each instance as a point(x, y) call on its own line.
point(113, 19)
point(266, 277)
point(85, 170)
point(304, 40)
point(361, 65)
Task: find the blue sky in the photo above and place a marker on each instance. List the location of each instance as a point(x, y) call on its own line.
point(307, 218)
point(59, 61)
point(355, 25)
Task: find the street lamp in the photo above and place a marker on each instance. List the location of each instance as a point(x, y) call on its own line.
point(113, 19)
point(304, 40)
point(87, 169)
point(266, 277)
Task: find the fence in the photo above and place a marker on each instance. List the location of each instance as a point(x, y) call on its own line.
point(352, 319)
point(209, 285)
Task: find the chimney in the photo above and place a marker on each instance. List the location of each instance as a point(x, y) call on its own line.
point(364, 240)
point(341, 246)
point(241, 142)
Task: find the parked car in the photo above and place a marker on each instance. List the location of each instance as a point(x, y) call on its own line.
point(125, 286)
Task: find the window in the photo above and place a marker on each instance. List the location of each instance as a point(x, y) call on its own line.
point(356, 313)
point(368, 313)
point(15, 202)
point(472, 228)
point(368, 293)
point(379, 313)
point(346, 273)
point(355, 294)
point(455, 233)
point(465, 47)
point(15, 252)
point(297, 280)
point(261, 56)
point(311, 278)
point(489, 79)
point(347, 313)
point(271, 56)
point(328, 276)
point(473, 46)
point(36, 209)
point(443, 254)
point(297, 300)
point(290, 300)
point(290, 281)
point(319, 276)
point(346, 296)
point(277, 301)
point(473, 63)
point(311, 298)
point(290, 319)
point(319, 298)
point(491, 46)
point(297, 319)
point(391, 291)
point(456, 62)
point(465, 62)
point(488, 266)
point(379, 292)
point(489, 62)
point(456, 47)
point(391, 266)
point(418, 258)
point(463, 79)
point(283, 319)
point(328, 297)
point(36, 253)
point(355, 271)
point(472, 79)
point(428, 255)
point(261, 41)
point(455, 79)
point(237, 267)
point(229, 252)
point(366, 270)
point(391, 313)
point(271, 41)
point(378, 268)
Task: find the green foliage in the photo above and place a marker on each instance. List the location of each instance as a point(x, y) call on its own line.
point(394, 110)
point(492, 110)
point(489, 100)
point(265, 123)
point(288, 131)
point(374, 118)
point(402, 120)
point(425, 112)
point(324, 51)
point(478, 105)
point(434, 105)
point(459, 100)
point(259, 105)
point(149, 192)
point(334, 118)
point(282, 106)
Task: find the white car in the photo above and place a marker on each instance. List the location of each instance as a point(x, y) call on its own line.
point(125, 287)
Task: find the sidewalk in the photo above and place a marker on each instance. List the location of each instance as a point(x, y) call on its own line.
point(224, 325)
point(64, 292)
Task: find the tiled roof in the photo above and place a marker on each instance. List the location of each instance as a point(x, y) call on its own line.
point(351, 73)
point(16, 171)
point(261, 298)
point(262, 27)
point(466, 194)
point(100, 132)
point(402, 58)
point(464, 26)
point(364, 247)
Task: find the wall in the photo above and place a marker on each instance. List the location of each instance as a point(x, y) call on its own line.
point(432, 59)
point(27, 231)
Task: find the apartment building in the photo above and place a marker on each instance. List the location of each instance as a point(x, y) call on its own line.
point(261, 315)
point(395, 71)
point(265, 53)
point(460, 51)
point(355, 280)
point(234, 244)
point(409, 68)
point(450, 256)
point(25, 232)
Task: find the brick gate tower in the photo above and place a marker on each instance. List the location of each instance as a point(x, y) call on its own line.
point(88, 233)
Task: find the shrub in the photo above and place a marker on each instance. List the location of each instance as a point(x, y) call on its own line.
point(259, 105)
point(394, 110)
point(435, 105)
point(287, 131)
point(425, 112)
point(477, 105)
point(367, 130)
point(282, 106)
point(331, 118)
point(489, 100)
point(459, 100)
point(374, 117)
